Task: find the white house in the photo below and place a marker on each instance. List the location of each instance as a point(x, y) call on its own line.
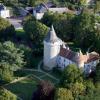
point(57, 54)
point(40, 10)
point(4, 13)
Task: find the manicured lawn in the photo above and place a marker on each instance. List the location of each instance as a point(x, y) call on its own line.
point(20, 33)
point(22, 73)
point(56, 74)
point(35, 62)
point(24, 88)
point(38, 73)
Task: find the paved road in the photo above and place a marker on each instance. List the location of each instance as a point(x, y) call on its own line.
point(16, 22)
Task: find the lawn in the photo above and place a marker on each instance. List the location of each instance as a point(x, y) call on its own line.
point(56, 74)
point(24, 88)
point(20, 33)
point(35, 62)
point(22, 73)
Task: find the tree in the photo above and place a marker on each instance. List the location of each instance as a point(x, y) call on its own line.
point(6, 29)
point(72, 79)
point(84, 29)
point(77, 88)
point(11, 59)
point(28, 55)
point(97, 6)
point(89, 86)
point(62, 24)
point(97, 76)
point(45, 91)
point(63, 94)
point(97, 39)
point(36, 32)
point(91, 93)
point(6, 95)
point(36, 2)
point(71, 74)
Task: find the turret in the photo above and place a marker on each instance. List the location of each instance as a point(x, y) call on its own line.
point(79, 58)
point(51, 49)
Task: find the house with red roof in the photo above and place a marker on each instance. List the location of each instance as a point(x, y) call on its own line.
point(57, 54)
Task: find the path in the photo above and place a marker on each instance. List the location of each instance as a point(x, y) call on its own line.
point(38, 77)
point(39, 69)
point(43, 72)
point(16, 22)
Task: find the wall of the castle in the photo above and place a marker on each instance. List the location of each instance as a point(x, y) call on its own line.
point(88, 67)
point(63, 62)
point(51, 52)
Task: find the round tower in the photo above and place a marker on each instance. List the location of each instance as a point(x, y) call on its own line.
point(51, 49)
point(79, 58)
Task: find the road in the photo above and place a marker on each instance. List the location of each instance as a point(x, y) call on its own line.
point(16, 22)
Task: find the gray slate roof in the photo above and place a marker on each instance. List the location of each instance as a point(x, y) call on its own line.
point(40, 8)
point(1, 7)
point(51, 36)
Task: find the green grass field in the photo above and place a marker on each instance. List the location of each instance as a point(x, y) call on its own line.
point(24, 88)
point(20, 33)
point(22, 73)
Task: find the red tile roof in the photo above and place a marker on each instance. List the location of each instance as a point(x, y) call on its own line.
point(67, 53)
point(93, 57)
point(78, 57)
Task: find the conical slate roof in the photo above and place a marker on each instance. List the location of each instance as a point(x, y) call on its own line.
point(51, 36)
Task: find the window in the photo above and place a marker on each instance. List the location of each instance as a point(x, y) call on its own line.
point(59, 58)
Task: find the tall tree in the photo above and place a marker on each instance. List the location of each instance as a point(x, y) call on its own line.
point(71, 74)
point(84, 29)
point(36, 31)
point(6, 95)
point(45, 90)
point(6, 29)
point(63, 94)
point(97, 77)
point(62, 24)
point(11, 59)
